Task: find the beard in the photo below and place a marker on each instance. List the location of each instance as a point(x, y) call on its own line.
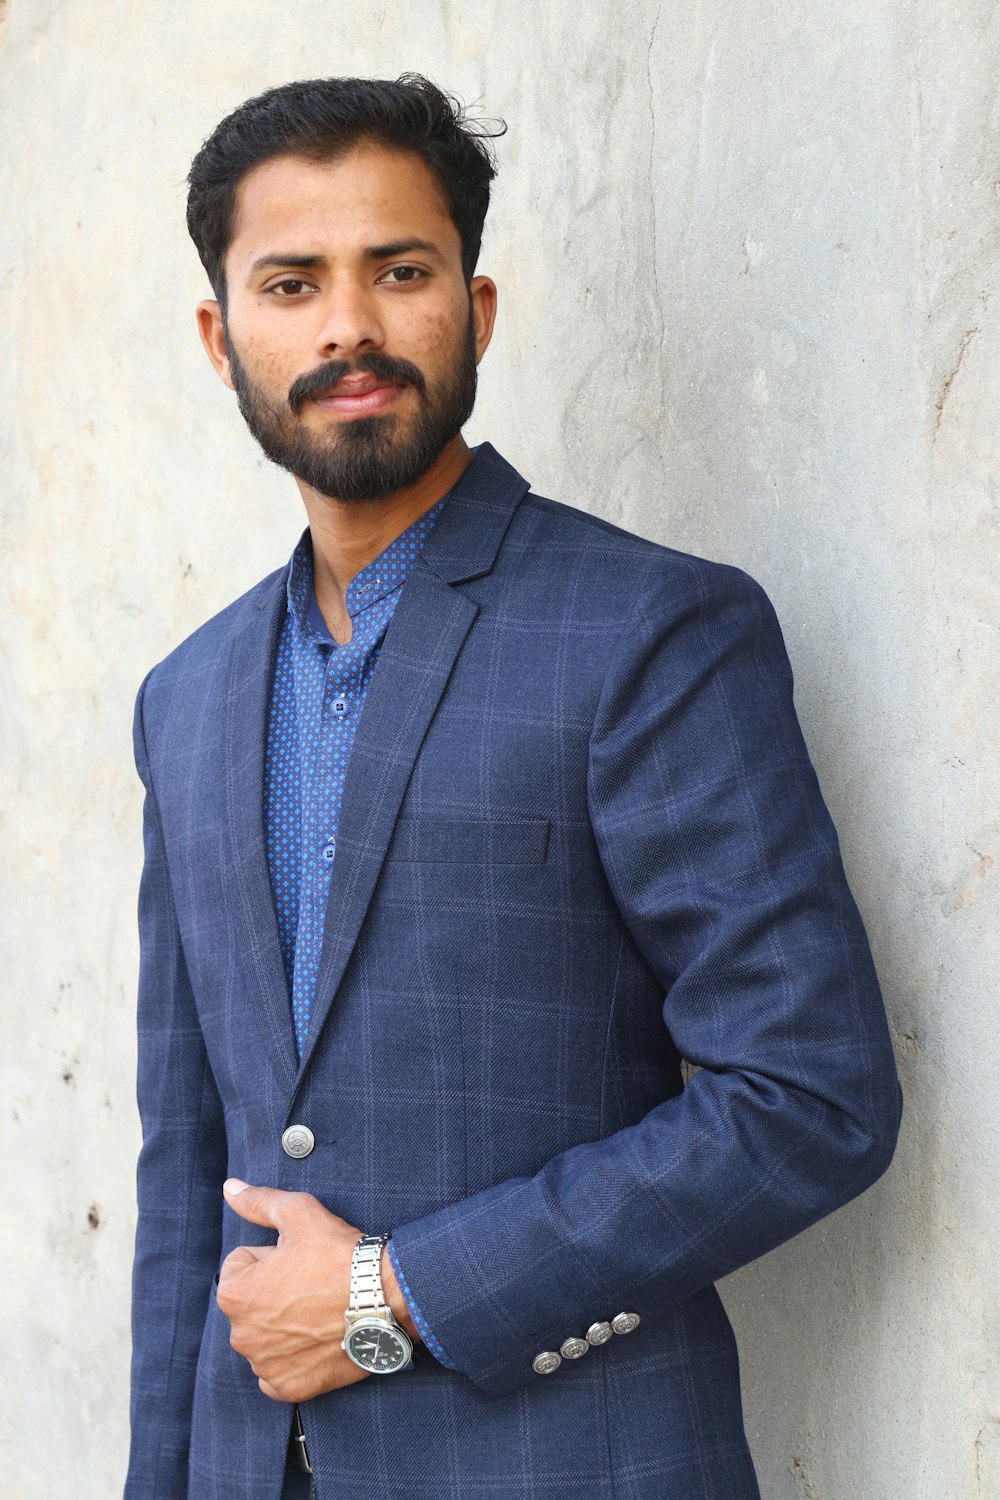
point(367, 458)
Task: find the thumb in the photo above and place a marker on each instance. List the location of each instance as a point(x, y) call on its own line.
point(265, 1206)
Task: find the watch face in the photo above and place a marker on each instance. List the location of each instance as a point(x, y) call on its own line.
point(376, 1348)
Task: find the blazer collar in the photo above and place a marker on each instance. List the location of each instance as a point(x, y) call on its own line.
point(465, 542)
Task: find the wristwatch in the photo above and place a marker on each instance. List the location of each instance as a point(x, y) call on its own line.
point(373, 1339)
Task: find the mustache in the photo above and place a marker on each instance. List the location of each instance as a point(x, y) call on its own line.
point(382, 366)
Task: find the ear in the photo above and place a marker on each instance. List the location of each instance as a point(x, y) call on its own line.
point(483, 295)
point(209, 315)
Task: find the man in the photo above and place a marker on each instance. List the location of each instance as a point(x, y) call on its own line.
point(462, 830)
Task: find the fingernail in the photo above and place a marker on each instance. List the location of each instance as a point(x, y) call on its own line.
point(232, 1186)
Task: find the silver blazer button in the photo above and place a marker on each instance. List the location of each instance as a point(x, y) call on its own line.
point(599, 1333)
point(625, 1322)
point(546, 1362)
point(298, 1141)
point(574, 1348)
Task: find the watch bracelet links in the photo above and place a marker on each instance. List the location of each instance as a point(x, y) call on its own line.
point(367, 1299)
point(366, 1275)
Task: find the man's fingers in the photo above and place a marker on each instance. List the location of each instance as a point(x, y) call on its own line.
point(244, 1255)
point(269, 1390)
point(265, 1206)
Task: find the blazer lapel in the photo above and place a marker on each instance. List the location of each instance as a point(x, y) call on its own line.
point(425, 636)
point(244, 715)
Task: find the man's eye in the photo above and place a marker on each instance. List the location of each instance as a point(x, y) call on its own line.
point(402, 275)
point(291, 287)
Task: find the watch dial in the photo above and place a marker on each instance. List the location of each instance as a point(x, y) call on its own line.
point(377, 1348)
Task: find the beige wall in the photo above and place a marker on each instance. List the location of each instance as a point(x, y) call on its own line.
point(748, 264)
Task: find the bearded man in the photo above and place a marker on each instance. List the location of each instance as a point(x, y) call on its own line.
point(462, 831)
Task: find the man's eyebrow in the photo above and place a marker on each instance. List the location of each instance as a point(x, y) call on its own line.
point(276, 261)
point(400, 247)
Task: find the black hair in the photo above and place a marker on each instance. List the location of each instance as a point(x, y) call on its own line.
point(318, 119)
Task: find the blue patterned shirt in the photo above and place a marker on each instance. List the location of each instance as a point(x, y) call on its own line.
point(317, 695)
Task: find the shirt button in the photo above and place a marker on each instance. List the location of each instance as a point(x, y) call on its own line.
point(298, 1141)
point(339, 707)
point(329, 850)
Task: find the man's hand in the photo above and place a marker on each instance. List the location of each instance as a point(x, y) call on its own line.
point(286, 1302)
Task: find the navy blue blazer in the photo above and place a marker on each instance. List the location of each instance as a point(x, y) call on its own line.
point(581, 841)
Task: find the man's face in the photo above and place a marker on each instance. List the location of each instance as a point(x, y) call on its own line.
point(351, 337)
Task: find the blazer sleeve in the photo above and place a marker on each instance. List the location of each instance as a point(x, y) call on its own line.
point(725, 866)
point(181, 1165)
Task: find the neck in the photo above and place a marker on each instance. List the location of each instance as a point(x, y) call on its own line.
point(346, 537)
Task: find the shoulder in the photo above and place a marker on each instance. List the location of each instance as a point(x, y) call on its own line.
point(208, 648)
point(623, 573)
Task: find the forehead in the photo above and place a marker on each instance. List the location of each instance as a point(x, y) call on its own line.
point(369, 195)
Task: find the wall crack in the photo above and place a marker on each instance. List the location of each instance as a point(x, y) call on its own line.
point(949, 380)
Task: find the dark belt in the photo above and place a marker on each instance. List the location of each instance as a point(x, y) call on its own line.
point(298, 1455)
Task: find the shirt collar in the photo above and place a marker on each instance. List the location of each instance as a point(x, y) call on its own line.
point(383, 575)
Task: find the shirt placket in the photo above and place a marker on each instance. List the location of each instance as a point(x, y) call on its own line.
point(309, 678)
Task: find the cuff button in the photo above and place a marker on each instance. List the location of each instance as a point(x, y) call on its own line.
point(625, 1322)
point(546, 1362)
point(599, 1333)
point(573, 1348)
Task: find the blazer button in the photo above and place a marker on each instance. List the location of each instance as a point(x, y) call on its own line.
point(574, 1348)
point(599, 1333)
point(298, 1141)
point(625, 1322)
point(546, 1362)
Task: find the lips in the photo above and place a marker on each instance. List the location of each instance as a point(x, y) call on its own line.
point(357, 395)
point(354, 385)
point(338, 385)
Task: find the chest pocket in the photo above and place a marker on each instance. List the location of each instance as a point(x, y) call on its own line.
point(471, 841)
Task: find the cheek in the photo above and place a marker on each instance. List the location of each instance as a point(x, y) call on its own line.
point(437, 349)
point(272, 371)
point(270, 357)
point(436, 337)
point(269, 361)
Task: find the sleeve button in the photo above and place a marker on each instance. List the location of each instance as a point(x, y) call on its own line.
point(546, 1362)
point(599, 1333)
point(625, 1322)
point(573, 1348)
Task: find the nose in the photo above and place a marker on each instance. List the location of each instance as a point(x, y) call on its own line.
point(349, 320)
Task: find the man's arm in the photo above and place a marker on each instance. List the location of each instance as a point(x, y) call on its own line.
point(724, 864)
point(181, 1166)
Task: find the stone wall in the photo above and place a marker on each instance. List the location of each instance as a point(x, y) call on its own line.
point(748, 268)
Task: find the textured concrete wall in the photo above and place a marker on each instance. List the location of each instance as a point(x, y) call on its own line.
point(748, 265)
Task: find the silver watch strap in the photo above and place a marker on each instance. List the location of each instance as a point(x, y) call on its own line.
point(366, 1275)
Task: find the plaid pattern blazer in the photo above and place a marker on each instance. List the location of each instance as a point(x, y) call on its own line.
point(581, 840)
